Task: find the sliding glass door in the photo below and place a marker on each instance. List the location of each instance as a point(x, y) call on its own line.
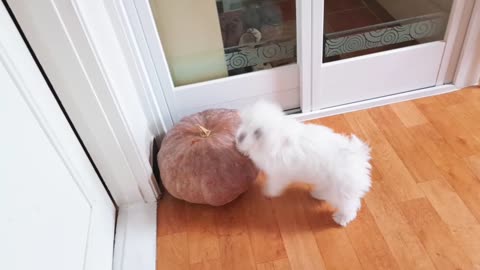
point(366, 49)
point(224, 53)
point(307, 54)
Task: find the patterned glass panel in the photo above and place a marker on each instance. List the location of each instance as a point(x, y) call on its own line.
point(211, 39)
point(359, 27)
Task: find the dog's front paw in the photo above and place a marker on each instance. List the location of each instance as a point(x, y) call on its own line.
point(317, 194)
point(271, 192)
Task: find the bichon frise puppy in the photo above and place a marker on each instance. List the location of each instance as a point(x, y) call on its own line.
point(336, 166)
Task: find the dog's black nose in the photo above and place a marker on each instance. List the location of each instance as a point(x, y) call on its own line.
point(241, 137)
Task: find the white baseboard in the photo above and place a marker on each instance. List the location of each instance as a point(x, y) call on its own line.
point(136, 237)
point(371, 103)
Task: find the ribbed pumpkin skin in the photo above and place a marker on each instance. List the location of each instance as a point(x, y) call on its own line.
point(205, 170)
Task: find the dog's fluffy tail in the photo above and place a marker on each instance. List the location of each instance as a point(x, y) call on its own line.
point(360, 147)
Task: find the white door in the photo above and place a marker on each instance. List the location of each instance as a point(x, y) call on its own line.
point(220, 53)
point(54, 212)
point(364, 49)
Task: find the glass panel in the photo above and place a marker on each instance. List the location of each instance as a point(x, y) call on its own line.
point(359, 27)
point(211, 39)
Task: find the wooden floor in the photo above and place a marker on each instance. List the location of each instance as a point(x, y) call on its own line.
point(423, 211)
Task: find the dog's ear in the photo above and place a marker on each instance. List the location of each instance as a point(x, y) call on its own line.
point(258, 133)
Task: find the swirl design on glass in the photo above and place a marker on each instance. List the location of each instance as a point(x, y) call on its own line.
point(415, 29)
point(269, 51)
point(237, 60)
point(247, 56)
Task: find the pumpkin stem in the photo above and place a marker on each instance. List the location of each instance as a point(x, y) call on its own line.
point(204, 132)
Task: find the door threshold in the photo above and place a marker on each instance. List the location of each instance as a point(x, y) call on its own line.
point(375, 102)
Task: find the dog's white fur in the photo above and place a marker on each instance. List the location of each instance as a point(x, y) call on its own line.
point(336, 166)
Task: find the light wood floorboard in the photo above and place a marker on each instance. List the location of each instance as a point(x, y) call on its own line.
point(423, 211)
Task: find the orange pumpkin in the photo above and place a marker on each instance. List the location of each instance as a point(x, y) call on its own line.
point(199, 162)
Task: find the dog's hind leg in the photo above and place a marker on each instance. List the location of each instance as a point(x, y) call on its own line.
point(346, 210)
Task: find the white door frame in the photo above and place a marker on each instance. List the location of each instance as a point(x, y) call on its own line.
point(23, 71)
point(304, 52)
point(454, 39)
point(99, 85)
point(468, 68)
point(84, 48)
point(76, 62)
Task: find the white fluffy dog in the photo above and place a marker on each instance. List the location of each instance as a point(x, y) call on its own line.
point(335, 165)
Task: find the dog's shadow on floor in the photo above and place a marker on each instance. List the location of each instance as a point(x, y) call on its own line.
point(295, 211)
